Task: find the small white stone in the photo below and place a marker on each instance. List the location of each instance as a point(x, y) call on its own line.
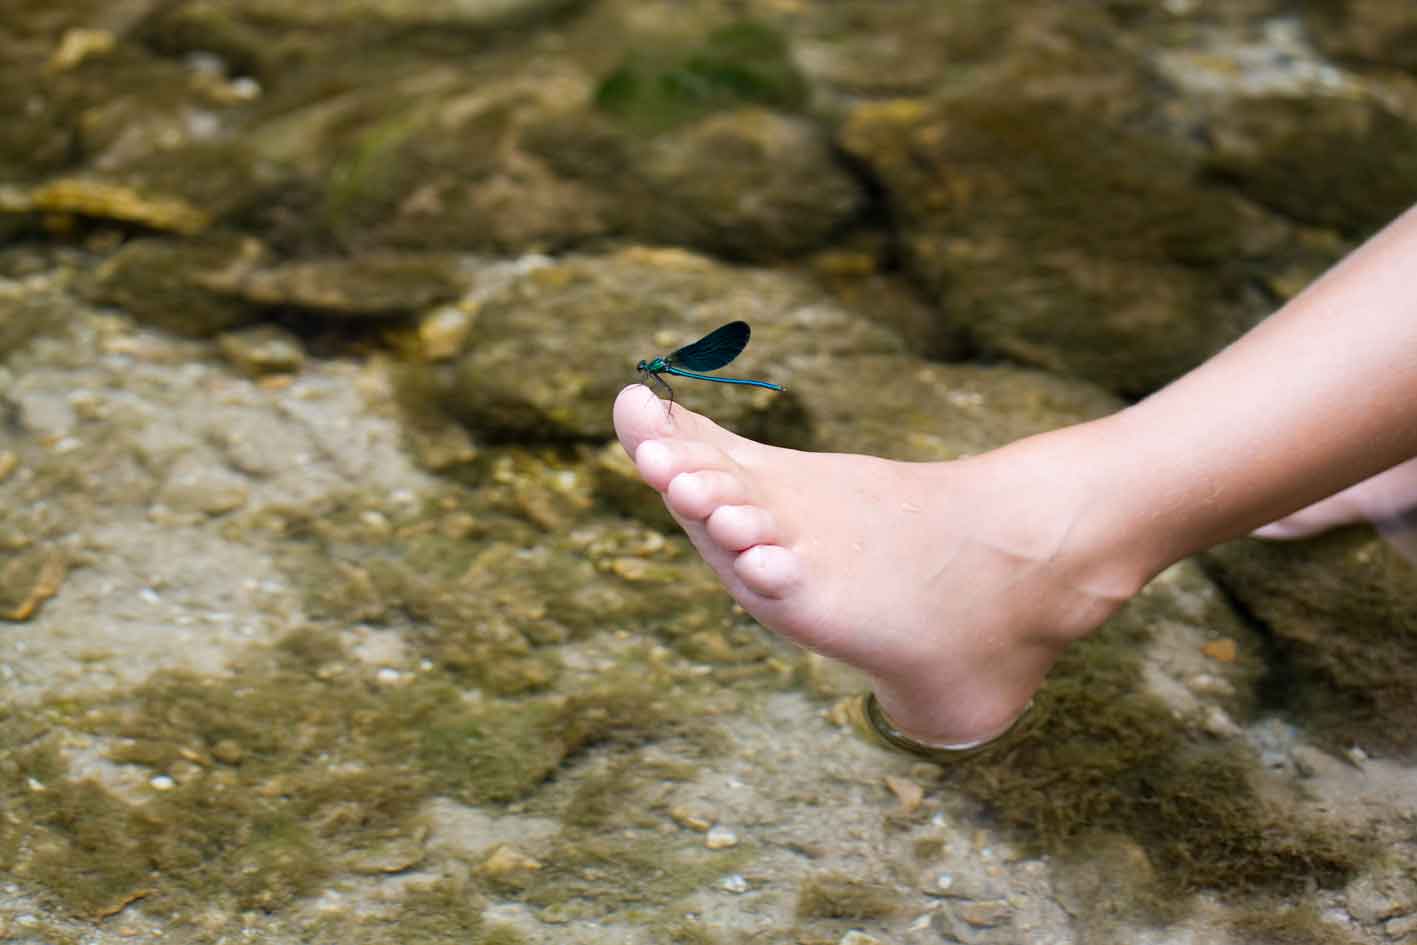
point(720, 838)
point(859, 938)
point(733, 883)
point(161, 782)
point(1218, 723)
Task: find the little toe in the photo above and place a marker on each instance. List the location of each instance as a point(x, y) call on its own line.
point(696, 495)
point(769, 570)
point(738, 527)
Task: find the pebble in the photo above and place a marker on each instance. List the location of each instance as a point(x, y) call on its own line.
point(907, 792)
point(264, 349)
point(161, 782)
point(1223, 650)
point(733, 883)
point(987, 914)
point(228, 751)
point(1401, 928)
point(859, 938)
point(443, 332)
point(685, 817)
point(720, 838)
point(1218, 723)
point(965, 884)
point(1310, 762)
point(506, 861)
point(1372, 898)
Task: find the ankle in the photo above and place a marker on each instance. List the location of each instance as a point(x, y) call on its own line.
point(1118, 540)
point(1096, 540)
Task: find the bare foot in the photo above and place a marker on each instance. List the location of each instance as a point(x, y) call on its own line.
point(953, 585)
point(1387, 500)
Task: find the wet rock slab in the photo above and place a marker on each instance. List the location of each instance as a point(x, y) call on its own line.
point(516, 378)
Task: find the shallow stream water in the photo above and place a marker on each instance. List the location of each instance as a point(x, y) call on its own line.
point(330, 611)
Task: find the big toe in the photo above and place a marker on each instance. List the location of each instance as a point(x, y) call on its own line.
point(641, 416)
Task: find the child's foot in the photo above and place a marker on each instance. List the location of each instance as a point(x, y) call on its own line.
point(1387, 500)
point(954, 585)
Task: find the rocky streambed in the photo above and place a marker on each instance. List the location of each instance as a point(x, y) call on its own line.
point(330, 611)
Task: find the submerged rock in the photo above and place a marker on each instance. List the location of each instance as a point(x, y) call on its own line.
point(746, 184)
point(267, 37)
point(433, 160)
point(161, 282)
point(1343, 608)
point(518, 379)
point(116, 202)
point(903, 407)
point(1374, 32)
point(378, 284)
point(1061, 242)
point(1342, 162)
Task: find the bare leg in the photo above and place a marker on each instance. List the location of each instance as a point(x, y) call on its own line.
point(1388, 501)
point(956, 585)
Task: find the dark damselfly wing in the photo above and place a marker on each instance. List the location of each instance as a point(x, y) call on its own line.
point(713, 350)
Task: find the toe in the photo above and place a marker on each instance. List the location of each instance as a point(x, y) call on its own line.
point(737, 527)
point(769, 570)
point(696, 495)
point(659, 461)
point(639, 416)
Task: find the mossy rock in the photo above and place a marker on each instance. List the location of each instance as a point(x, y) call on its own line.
point(160, 281)
point(1345, 163)
point(1058, 240)
point(279, 777)
point(365, 286)
point(1124, 780)
point(1343, 611)
point(1369, 32)
point(745, 183)
point(744, 63)
point(517, 379)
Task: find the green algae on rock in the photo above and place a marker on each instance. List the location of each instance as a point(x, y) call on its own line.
point(744, 63)
point(327, 765)
point(837, 896)
point(1342, 609)
point(1112, 758)
point(435, 161)
point(30, 309)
